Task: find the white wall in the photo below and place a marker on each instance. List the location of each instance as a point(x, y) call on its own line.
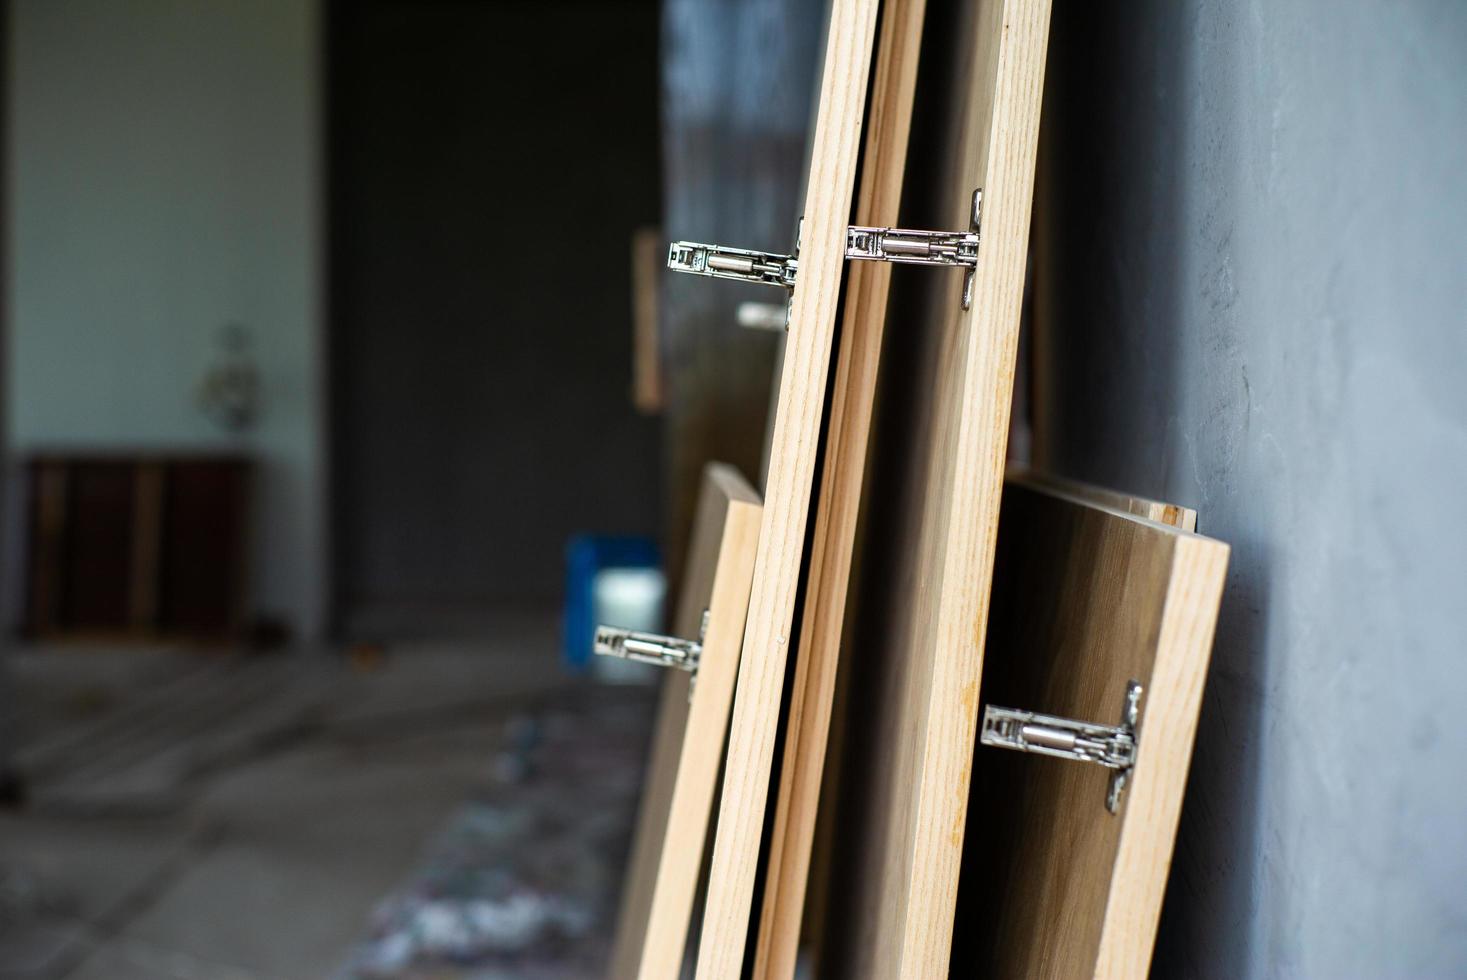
point(165, 179)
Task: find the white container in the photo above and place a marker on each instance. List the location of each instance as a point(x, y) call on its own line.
point(631, 598)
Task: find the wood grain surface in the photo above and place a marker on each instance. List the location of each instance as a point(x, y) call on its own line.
point(847, 429)
point(1086, 597)
point(688, 741)
point(791, 470)
point(925, 590)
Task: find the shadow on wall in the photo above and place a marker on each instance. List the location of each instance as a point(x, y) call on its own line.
point(1112, 351)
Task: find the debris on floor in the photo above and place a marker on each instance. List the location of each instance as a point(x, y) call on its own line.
point(287, 796)
point(523, 882)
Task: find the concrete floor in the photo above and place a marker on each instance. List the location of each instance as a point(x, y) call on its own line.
point(268, 866)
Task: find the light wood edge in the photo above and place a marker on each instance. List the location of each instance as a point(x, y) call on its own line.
point(654, 814)
point(973, 471)
point(1175, 515)
point(648, 390)
point(698, 765)
point(1164, 754)
point(684, 757)
point(847, 432)
point(791, 470)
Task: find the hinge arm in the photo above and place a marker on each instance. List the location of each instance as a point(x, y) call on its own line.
point(722, 262)
point(904, 245)
point(1111, 746)
point(648, 648)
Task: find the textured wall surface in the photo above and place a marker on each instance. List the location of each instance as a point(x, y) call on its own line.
point(163, 182)
point(1252, 251)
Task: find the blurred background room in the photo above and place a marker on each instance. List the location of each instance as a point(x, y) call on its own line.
point(317, 362)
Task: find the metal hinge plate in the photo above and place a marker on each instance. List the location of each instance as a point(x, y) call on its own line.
point(652, 648)
point(647, 648)
point(742, 264)
point(903, 245)
point(1111, 746)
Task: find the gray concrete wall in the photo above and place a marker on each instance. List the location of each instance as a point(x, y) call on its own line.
point(1252, 298)
point(163, 165)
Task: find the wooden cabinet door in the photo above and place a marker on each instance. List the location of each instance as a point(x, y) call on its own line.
point(1087, 597)
point(798, 409)
point(138, 545)
point(687, 744)
point(807, 716)
point(919, 612)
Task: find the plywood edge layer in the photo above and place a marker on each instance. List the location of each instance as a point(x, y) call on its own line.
point(688, 739)
point(964, 576)
point(1174, 515)
point(731, 483)
point(1164, 754)
point(796, 433)
point(707, 727)
point(837, 507)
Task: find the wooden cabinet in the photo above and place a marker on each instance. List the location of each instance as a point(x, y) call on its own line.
point(136, 545)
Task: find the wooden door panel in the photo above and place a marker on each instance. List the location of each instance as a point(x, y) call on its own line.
point(687, 744)
point(1087, 597)
point(791, 463)
point(942, 422)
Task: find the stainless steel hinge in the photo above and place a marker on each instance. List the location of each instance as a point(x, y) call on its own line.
point(652, 648)
point(1111, 746)
point(723, 262)
point(904, 245)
